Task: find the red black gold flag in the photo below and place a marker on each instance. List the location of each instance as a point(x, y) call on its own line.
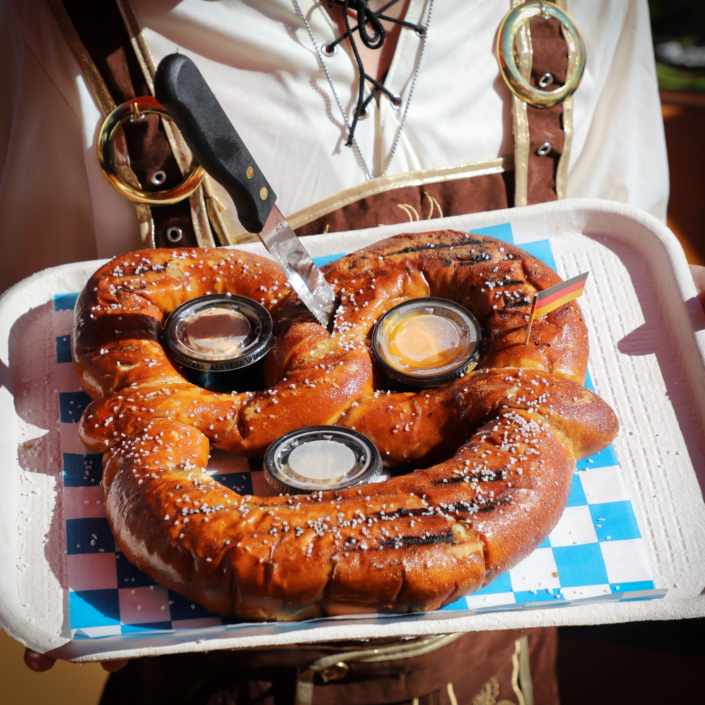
point(550, 299)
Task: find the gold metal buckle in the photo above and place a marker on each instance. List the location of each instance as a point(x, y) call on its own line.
point(507, 61)
point(134, 109)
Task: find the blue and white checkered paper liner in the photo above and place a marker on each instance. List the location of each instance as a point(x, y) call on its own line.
point(596, 552)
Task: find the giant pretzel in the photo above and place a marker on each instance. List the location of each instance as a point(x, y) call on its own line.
point(506, 436)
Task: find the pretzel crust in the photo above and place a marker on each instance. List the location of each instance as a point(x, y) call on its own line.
point(505, 438)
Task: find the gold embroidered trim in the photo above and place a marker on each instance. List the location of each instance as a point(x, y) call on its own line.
point(520, 119)
point(521, 680)
point(139, 45)
point(95, 80)
point(521, 672)
point(489, 693)
point(106, 104)
point(389, 183)
point(409, 210)
point(397, 181)
point(562, 170)
point(515, 672)
point(434, 202)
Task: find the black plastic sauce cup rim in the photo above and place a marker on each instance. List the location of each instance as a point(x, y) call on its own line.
point(368, 465)
point(428, 381)
point(256, 346)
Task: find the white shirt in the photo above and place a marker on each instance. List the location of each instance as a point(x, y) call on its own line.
point(260, 61)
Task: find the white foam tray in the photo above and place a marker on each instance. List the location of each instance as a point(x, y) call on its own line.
point(647, 360)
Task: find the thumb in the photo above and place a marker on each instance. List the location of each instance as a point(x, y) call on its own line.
point(37, 662)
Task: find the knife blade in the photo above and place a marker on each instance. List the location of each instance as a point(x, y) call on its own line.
point(214, 141)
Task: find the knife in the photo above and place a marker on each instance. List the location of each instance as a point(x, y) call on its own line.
point(182, 90)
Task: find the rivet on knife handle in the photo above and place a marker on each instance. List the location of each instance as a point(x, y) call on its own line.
point(182, 90)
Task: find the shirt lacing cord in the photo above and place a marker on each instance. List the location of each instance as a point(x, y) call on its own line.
point(365, 17)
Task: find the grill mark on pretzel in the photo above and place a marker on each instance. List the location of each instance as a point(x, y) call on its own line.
point(419, 540)
point(514, 429)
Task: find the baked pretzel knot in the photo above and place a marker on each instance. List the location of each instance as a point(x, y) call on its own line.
point(506, 436)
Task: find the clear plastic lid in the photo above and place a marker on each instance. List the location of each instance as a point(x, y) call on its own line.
point(219, 332)
point(426, 342)
point(321, 458)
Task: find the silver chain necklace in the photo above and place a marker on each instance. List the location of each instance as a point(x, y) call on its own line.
point(319, 54)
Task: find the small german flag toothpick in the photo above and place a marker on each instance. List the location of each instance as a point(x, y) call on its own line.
point(550, 299)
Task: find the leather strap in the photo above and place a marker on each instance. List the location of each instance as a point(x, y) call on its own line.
point(102, 40)
point(550, 56)
point(542, 136)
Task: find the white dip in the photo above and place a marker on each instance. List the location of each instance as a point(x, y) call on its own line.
point(322, 460)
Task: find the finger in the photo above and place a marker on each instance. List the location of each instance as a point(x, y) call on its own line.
point(112, 666)
point(37, 662)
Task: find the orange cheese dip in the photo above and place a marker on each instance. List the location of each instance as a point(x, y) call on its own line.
point(422, 341)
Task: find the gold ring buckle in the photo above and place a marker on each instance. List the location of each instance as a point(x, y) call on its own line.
point(507, 61)
point(134, 109)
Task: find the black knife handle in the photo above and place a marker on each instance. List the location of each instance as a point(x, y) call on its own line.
point(182, 90)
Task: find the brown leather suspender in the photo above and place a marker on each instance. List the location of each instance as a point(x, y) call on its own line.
point(105, 37)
